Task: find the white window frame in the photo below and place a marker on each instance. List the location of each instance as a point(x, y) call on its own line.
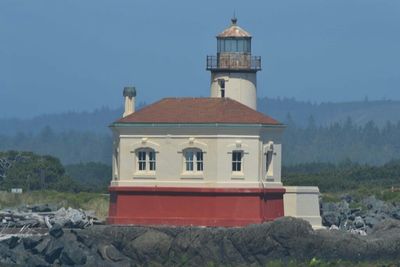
point(235, 161)
point(150, 164)
point(152, 160)
point(196, 163)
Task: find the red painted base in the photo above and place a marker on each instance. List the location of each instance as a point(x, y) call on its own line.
point(194, 206)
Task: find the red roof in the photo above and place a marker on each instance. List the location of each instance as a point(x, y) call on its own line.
point(198, 110)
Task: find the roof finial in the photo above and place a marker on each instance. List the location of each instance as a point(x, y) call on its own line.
point(234, 19)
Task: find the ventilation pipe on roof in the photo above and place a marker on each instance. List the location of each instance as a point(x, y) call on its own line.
point(130, 99)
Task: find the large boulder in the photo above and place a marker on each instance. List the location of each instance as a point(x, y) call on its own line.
point(150, 246)
point(32, 241)
point(53, 250)
point(73, 255)
point(330, 218)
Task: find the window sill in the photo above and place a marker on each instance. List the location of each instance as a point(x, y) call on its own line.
point(190, 175)
point(144, 175)
point(237, 176)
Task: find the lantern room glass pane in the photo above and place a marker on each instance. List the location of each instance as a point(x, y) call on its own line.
point(234, 45)
point(248, 46)
point(228, 45)
point(240, 47)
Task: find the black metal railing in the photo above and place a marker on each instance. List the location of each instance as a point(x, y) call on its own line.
point(232, 61)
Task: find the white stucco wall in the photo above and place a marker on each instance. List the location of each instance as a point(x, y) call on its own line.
point(238, 86)
point(217, 143)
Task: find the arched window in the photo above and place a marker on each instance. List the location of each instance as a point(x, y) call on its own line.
point(193, 160)
point(146, 160)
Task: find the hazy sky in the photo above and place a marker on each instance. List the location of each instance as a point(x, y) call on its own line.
point(72, 55)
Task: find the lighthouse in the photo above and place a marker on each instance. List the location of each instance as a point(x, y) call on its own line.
point(234, 68)
point(205, 161)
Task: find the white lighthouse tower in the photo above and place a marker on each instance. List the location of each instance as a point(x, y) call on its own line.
point(234, 69)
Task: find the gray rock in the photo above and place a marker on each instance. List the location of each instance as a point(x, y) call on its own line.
point(56, 230)
point(41, 247)
point(376, 205)
point(396, 214)
point(330, 218)
point(35, 261)
point(334, 228)
point(71, 218)
point(387, 228)
point(344, 207)
point(19, 255)
point(151, 246)
point(12, 242)
point(359, 222)
point(53, 250)
point(371, 221)
point(286, 239)
point(31, 242)
point(73, 255)
point(355, 210)
point(83, 238)
point(110, 253)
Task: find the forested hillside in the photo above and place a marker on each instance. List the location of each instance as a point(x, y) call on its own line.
point(324, 114)
point(361, 112)
point(68, 146)
point(341, 141)
point(334, 143)
point(364, 132)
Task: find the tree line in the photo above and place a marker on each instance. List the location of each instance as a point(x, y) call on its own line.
point(31, 172)
point(332, 144)
point(341, 141)
point(345, 176)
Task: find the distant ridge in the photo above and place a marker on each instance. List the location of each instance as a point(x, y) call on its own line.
point(323, 114)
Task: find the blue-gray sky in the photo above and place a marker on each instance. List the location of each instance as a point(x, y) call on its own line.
point(73, 55)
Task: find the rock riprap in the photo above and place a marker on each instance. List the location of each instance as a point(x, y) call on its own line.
point(358, 216)
point(255, 245)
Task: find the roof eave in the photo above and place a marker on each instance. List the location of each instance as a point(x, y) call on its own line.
point(216, 124)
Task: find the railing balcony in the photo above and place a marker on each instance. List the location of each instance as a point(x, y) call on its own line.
point(234, 61)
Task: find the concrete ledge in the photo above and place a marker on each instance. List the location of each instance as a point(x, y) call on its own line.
point(303, 202)
point(302, 189)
